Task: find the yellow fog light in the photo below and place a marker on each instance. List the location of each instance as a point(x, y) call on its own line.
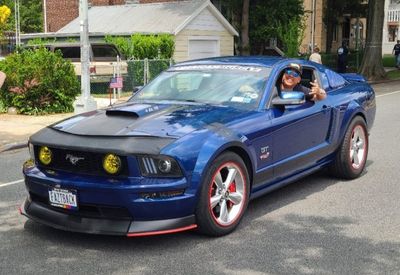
point(112, 164)
point(45, 155)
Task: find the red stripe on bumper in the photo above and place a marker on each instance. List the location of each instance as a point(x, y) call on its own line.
point(169, 231)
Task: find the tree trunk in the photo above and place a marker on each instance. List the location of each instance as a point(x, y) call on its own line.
point(371, 65)
point(245, 28)
point(329, 37)
point(330, 22)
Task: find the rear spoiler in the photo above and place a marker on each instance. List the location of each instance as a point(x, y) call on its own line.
point(353, 77)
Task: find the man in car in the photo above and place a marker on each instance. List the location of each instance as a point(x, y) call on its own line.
point(291, 82)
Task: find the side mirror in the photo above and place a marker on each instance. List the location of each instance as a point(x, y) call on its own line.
point(136, 89)
point(289, 98)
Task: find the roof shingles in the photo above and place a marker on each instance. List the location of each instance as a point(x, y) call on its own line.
point(149, 18)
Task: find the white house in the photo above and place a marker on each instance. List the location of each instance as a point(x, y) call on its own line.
point(391, 27)
point(200, 30)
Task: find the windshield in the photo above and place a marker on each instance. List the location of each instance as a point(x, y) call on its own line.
point(211, 84)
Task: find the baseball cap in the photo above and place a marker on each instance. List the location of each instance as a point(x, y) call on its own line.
point(296, 67)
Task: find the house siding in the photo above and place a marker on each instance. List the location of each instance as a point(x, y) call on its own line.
point(319, 31)
point(182, 42)
point(391, 23)
point(205, 21)
point(205, 26)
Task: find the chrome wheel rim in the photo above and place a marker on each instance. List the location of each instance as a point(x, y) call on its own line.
point(358, 147)
point(227, 194)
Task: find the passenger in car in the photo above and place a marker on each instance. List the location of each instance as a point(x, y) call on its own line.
point(291, 82)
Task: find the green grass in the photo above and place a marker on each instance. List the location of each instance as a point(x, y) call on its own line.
point(388, 60)
point(395, 74)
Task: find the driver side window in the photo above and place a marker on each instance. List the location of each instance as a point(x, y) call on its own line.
point(308, 75)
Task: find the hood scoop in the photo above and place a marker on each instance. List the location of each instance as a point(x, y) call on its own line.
point(123, 113)
point(134, 110)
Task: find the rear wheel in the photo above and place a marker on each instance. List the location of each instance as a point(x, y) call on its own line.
point(224, 195)
point(352, 154)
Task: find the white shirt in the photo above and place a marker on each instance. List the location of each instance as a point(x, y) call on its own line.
point(316, 57)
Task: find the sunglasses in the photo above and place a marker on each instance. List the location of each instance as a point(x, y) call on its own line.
point(292, 73)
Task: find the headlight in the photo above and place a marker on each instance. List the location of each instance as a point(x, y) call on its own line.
point(164, 165)
point(45, 155)
point(159, 166)
point(112, 164)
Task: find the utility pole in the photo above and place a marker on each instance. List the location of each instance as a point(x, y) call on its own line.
point(45, 15)
point(312, 27)
point(357, 41)
point(85, 102)
point(17, 25)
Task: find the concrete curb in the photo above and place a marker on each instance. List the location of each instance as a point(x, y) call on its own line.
point(13, 146)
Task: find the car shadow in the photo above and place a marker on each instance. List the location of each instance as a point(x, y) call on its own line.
point(292, 244)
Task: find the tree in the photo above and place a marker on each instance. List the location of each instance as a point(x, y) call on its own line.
point(335, 9)
point(4, 15)
point(258, 20)
point(232, 10)
point(291, 34)
point(267, 16)
point(31, 15)
point(245, 28)
point(371, 65)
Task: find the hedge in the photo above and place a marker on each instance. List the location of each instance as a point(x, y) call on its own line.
point(38, 82)
point(139, 46)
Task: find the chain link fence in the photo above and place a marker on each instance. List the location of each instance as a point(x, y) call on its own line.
point(133, 72)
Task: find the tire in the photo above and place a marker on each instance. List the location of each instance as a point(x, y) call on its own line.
point(352, 154)
point(224, 196)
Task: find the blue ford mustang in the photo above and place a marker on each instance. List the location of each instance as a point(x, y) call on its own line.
point(191, 148)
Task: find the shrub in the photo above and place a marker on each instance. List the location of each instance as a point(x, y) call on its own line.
point(39, 82)
point(291, 33)
point(2, 107)
point(140, 46)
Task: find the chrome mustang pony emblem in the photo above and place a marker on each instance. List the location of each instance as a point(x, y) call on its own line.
point(73, 159)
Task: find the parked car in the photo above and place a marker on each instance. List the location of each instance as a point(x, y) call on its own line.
point(105, 59)
point(194, 146)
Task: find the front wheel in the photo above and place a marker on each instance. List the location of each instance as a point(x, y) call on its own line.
point(352, 154)
point(224, 195)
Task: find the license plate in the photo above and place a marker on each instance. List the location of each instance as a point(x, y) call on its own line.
point(63, 198)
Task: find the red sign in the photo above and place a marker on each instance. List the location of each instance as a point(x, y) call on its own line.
point(116, 82)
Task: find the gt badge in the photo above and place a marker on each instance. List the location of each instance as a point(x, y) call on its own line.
point(264, 152)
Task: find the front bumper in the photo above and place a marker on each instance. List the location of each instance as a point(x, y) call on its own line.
point(110, 206)
point(44, 215)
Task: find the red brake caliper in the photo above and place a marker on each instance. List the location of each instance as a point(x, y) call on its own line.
point(231, 189)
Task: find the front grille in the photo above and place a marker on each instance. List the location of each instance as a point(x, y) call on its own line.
point(87, 210)
point(79, 162)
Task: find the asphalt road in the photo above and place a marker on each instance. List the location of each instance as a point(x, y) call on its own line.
point(318, 225)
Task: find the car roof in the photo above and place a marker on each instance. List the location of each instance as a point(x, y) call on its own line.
point(263, 61)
